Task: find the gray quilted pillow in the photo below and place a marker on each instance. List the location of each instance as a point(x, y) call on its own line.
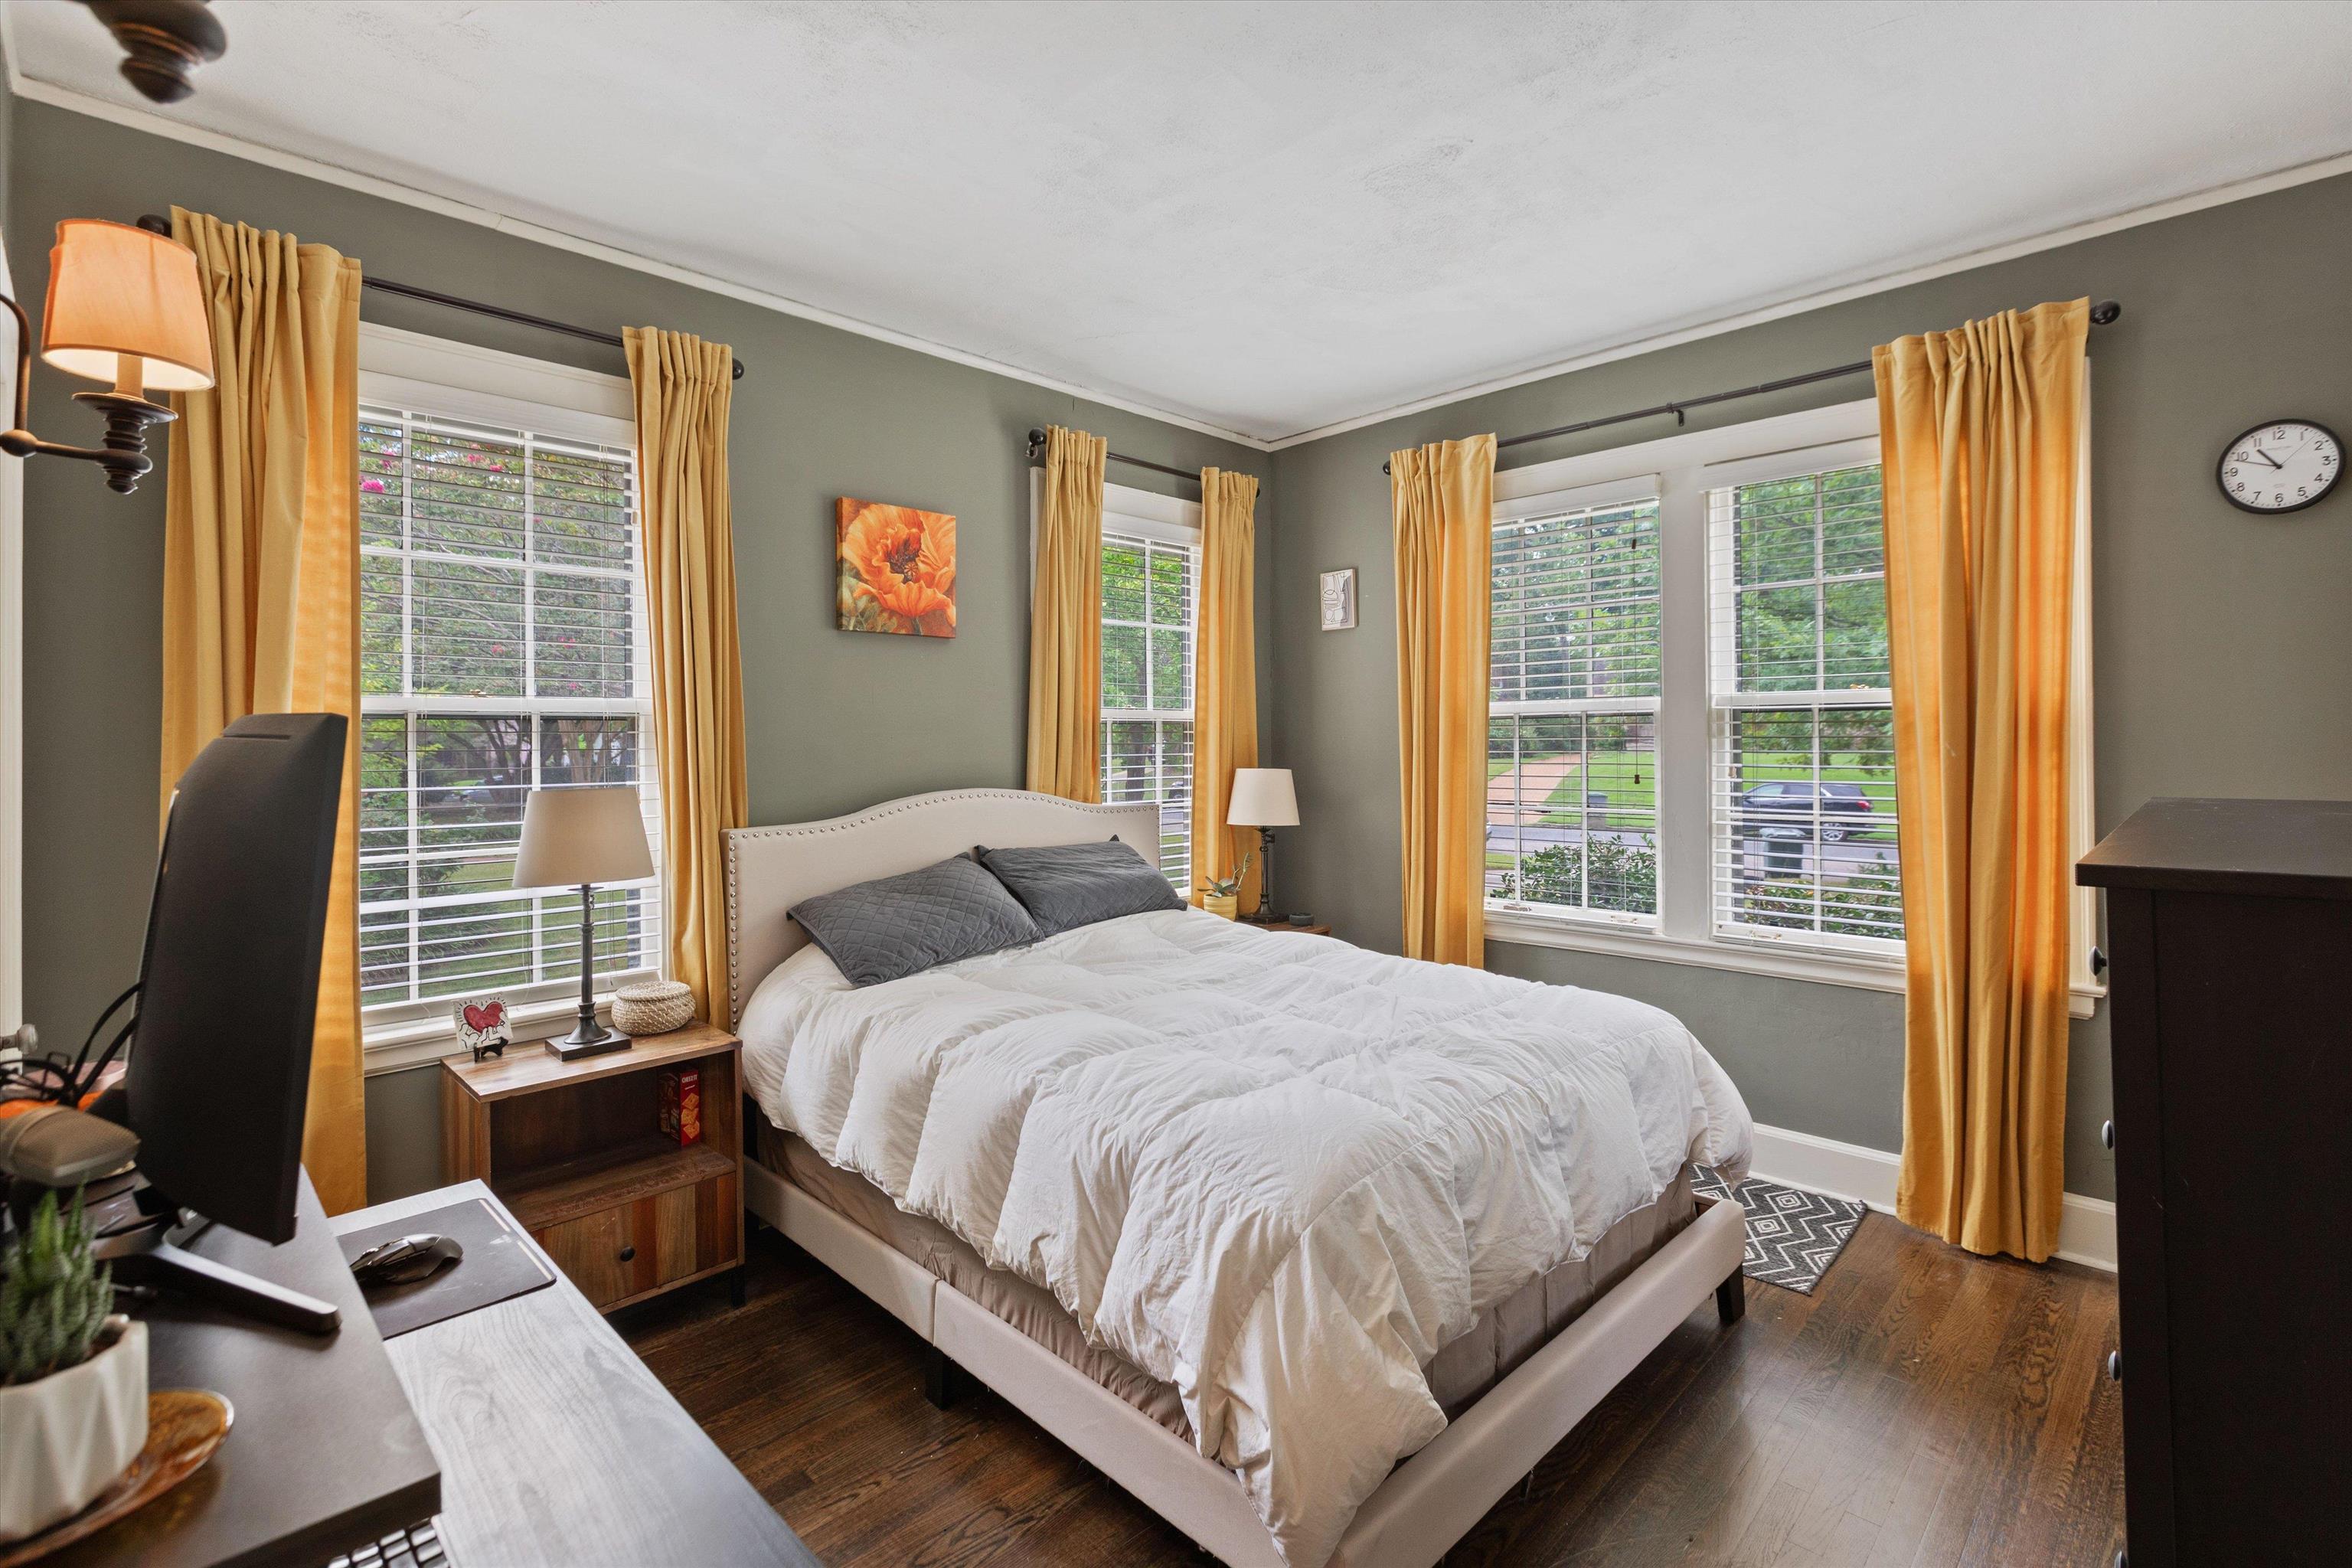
point(1064, 885)
point(895, 926)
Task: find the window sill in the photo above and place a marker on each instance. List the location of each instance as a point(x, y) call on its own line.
point(420, 1042)
point(1567, 932)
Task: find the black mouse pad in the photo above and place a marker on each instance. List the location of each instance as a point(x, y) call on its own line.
point(498, 1263)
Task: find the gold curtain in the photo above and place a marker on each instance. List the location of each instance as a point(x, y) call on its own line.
point(1225, 686)
point(1444, 498)
point(1065, 620)
point(261, 582)
point(1980, 429)
point(685, 389)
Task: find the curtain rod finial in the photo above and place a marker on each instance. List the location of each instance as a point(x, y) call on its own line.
point(2106, 312)
point(1037, 444)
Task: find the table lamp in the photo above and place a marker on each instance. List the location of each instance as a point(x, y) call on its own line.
point(1264, 799)
point(576, 838)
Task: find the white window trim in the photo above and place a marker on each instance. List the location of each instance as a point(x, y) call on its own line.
point(12, 721)
point(412, 369)
point(1680, 469)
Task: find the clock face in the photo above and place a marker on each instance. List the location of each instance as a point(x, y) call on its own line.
point(2283, 466)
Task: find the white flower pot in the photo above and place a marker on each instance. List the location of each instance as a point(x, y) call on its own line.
point(68, 1435)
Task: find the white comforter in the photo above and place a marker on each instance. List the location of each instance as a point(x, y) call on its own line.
point(1276, 1170)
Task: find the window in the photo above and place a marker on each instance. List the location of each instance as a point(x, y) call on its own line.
point(502, 650)
point(1691, 730)
point(1572, 734)
point(1150, 604)
point(1803, 840)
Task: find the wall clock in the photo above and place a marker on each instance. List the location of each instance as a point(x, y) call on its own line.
point(2282, 466)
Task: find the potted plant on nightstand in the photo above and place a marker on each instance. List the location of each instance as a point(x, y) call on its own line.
point(1221, 896)
point(73, 1375)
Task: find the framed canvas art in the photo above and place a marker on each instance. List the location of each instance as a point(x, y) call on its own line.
point(897, 571)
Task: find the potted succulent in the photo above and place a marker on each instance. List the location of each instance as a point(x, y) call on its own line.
point(1221, 896)
point(73, 1373)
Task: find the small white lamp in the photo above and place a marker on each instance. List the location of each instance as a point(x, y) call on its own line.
point(1262, 798)
point(576, 838)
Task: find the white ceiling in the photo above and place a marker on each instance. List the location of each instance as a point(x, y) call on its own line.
point(1271, 217)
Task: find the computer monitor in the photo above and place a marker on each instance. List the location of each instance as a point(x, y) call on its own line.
point(220, 1059)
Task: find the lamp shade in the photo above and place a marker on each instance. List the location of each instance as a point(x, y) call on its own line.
point(575, 837)
point(1262, 798)
point(115, 290)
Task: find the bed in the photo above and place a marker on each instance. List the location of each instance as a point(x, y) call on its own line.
point(1374, 1234)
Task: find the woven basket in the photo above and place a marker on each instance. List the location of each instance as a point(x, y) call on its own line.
point(653, 1007)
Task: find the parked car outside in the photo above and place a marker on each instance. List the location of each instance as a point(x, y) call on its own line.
point(1799, 799)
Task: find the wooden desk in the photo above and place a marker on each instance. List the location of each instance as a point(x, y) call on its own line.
point(325, 1452)
point(557, 1447)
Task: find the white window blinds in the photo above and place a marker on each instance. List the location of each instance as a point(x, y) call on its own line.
point(502, 649)
point(1572, 737)
point(1802, 786)
point(1149, 609)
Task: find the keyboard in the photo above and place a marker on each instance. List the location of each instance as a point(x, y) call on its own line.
point(418, 1546)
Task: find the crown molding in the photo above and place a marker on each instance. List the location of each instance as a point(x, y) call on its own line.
point(35, 90)
point(2155, 212)
point(155, 124)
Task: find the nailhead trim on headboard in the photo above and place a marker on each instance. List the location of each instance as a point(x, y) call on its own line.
point(736, 999)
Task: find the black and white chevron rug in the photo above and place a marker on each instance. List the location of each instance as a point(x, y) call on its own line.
point(1793, 1235)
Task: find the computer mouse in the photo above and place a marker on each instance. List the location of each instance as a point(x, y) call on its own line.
point(405, 1260)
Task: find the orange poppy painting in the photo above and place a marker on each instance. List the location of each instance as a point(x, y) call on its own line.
point(898, 569)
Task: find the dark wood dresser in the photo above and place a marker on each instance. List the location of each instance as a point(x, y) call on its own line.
point(2230, 940)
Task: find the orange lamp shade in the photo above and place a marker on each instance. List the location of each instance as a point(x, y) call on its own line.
point(117, 291)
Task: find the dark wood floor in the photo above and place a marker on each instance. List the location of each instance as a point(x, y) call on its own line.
point(1924, 1407)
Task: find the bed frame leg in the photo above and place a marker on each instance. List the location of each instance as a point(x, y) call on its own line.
point(942, 1379)
point(1731, 1299)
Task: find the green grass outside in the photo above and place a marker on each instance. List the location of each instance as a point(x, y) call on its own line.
point(1630, 779)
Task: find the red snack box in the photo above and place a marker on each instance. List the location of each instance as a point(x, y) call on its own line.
point(681, 1105)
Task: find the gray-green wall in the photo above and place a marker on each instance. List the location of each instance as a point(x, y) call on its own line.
point(2220, 645)
point(837, 720)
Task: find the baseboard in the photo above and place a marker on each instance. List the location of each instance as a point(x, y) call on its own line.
point(2086, 1227)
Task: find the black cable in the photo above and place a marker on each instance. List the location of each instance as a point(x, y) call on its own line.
point(21, 1072)
point(90, 1039)
point(67, 1083)
point(105, 1057)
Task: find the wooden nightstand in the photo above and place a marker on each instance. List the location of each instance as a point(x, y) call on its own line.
point(1285, 925)
point(575, 1152)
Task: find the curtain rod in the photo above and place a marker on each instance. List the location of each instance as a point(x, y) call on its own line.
point(1037, 450)
point(2104, 313)
point(155, 224)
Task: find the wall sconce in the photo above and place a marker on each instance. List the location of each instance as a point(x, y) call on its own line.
point(124, 305)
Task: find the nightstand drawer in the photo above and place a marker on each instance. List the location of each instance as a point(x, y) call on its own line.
point(614, 1255)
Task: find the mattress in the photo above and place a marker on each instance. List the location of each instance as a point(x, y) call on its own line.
point(1464, 1370)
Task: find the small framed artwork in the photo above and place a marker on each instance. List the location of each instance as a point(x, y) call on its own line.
point(1339, 600)
point(897, 569)
point(483, 1025)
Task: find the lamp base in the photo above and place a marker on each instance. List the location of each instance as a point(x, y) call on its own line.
point(572, 1046)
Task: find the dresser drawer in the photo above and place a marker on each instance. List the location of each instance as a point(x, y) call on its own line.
point(631, 1249)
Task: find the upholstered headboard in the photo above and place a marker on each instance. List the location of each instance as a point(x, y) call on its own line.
point(770, 869)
